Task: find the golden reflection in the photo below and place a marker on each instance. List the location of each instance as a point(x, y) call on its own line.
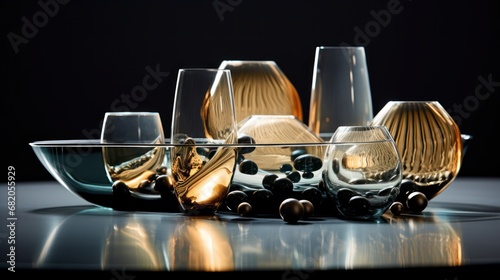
point(409, 242)
point(200, 244)
point(132, 245)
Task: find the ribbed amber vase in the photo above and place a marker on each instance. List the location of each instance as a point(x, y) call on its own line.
point(428, 141)
point(261, 88)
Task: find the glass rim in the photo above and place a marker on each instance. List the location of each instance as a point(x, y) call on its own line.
point(130, 113)
point(339, 47)
point(95, 143)
point(203, 70)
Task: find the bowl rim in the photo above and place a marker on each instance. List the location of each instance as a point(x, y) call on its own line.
point(97, 143)
point(80, 143)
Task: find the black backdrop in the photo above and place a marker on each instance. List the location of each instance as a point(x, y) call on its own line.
point(65, 63)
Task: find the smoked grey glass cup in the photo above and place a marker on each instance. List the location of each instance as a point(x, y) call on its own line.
point(340, 91)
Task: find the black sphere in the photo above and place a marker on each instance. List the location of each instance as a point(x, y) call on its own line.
point(234, 198)
point(416, 202)
point(308, 208)
point(244, 209)
point(291, 210)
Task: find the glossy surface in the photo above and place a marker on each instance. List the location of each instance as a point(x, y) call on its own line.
point(262, 88)
point(363, 171)
point(203, 113)
point(458, 229)
point(340, 91)
point(428, 140)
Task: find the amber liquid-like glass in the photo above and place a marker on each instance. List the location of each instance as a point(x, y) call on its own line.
point(132, 165)
point(261, 88)
point(203, 128)
point(428, 141)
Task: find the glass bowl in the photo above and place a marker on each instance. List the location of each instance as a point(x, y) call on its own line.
point(79, 167)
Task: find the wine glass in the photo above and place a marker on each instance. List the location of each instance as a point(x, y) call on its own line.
point(133, 166)
point(363, 172)
point(430, 145)
point(262, 88)
point(340, 92)
point(203, 124)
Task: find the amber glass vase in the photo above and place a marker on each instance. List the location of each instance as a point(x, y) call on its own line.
point(429, 143)
point(262, 88)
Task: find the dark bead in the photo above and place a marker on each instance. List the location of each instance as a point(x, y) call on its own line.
point(268, 180)
point(153, 177)
point(291, 210)
point(120, 189)
point(211, 154)
point(245, 139)
point(308, 208)
point(282, 187)
point(248, 167)
point(262, 201)
point(359, 205)
point(297, 153)
point(307, 175)
point(397, 208)
point(294, 176)
point(407, 186)
point(335, 166)
point(285, 168)
point(161, 170)
point(163, 183)
point(313, 195)
point(244, 209)
point(307, 163)
point(416, 202)
point(344, 195)
point(234, 198)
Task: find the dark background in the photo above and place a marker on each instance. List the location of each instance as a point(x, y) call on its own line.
point(87, 54)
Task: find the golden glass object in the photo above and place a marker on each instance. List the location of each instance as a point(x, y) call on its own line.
point(274, 129)
point(428, 141)
point(203, 122)
point(261, 88)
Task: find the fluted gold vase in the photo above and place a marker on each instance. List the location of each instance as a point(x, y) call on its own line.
point(429, 143)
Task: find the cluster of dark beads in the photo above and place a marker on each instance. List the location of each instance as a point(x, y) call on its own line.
point(409, 199)
point(354, 203)
point(278, 195)
point(158, 183)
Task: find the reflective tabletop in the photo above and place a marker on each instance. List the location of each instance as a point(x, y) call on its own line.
point(54, 230)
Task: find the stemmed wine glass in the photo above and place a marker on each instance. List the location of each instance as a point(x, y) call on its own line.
point(203, 124)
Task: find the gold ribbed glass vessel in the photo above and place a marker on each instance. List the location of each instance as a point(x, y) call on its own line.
point(428, 140)
point(261, 88)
